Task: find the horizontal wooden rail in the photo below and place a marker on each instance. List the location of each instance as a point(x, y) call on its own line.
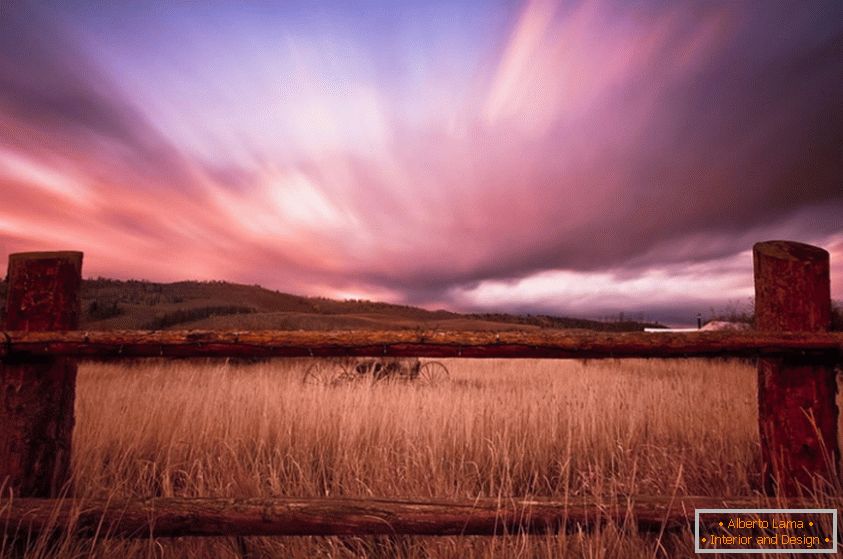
point(177, 517)
point(544, 344)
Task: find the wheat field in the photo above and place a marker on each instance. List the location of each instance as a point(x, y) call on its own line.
point(497, 428)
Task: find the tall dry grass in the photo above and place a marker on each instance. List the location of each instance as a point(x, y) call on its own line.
point(498, 428)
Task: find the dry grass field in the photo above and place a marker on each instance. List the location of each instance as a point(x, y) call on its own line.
point(498, 428)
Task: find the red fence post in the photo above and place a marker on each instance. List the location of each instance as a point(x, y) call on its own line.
point(37, 394)
point(797, 409)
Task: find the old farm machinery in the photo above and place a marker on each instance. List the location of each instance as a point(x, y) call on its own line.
point(338, 371)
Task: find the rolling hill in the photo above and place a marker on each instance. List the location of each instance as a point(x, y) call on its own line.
point(114, 304)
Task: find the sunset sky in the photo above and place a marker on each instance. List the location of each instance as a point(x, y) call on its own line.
point(576, 158)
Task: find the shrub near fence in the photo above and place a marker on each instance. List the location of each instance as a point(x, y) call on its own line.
point(797, 409)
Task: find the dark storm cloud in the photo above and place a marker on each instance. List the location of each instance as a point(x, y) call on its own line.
point(744, 144)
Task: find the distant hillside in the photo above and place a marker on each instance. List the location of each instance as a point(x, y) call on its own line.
point(112, 304)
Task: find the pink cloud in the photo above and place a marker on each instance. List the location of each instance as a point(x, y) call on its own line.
point(583, 159)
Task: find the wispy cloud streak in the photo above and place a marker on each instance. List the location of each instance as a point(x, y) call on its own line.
point(471, 155)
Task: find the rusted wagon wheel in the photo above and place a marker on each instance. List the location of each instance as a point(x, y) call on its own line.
point(325, 373)
point(432, 373)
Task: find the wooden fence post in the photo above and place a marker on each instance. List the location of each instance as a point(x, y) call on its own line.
point(37, 394)
point(797, 410)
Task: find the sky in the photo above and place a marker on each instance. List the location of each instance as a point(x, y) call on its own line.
point(574, 158)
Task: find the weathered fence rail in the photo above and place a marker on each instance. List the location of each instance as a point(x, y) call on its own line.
point(797, 391)
point(528, 345)
point(165, 517)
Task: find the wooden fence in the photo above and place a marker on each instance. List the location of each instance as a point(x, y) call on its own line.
point(798, 414)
